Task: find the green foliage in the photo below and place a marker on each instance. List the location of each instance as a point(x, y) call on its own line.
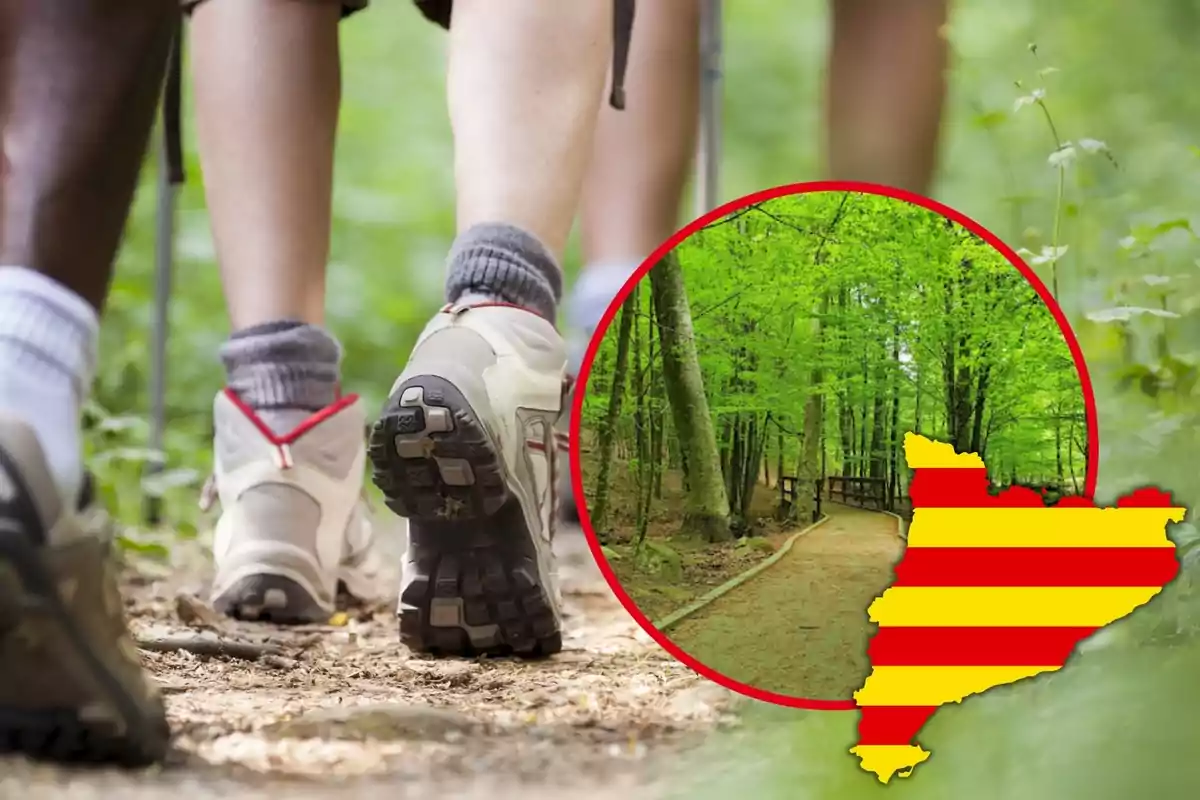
point(611, 554)
point(889, 300)
point(659, 559)
point(756, 544)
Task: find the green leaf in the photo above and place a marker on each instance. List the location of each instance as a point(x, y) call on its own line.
point(153, 550)
point(990, 119)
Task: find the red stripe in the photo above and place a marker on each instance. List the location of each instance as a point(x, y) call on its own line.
point(891, 724)
point(973, 647)
point(1147, 497)
point(1036, 566)
point(950, 487)
point(968, 487)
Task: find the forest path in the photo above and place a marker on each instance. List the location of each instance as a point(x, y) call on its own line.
point(800, 628)
point(601, 720)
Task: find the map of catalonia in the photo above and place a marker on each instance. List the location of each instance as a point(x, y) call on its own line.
point(993, 589)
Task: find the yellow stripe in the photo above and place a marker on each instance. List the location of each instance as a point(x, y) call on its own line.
point(935, 686)
point(1042, 527)
point(1017, 607)
point(922, 452)
point(886, 760)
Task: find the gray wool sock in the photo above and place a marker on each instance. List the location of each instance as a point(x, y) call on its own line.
point(503, 263)
point(282, 368)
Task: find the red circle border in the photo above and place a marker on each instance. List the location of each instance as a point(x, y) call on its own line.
point(712, 216)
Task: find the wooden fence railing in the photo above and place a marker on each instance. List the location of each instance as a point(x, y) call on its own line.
point(788, 494)
point(868, 493)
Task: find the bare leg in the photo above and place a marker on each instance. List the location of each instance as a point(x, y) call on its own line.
point(79, 82)
point(465, 446)
point(643, 154)
point(639, 168)
point(268, 83)
point(886, 91)
point(75, 130)
point(268, 86)
point(524, 79)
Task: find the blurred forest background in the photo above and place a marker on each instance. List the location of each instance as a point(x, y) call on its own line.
point(1125, 226)
point(1115, 78)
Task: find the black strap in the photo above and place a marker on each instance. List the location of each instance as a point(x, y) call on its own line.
point(623, 14)
point(172, 111)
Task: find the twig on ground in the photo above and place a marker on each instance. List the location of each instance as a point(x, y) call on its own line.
point(279, 662)
point(210, 648)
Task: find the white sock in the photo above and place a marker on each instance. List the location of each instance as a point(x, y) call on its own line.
point(596, 287)
point(48, 342)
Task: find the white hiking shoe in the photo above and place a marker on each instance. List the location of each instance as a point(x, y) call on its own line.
point(465, 449)
point(293, 529)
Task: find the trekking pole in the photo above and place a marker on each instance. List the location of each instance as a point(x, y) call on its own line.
point(170, 177)
point(708, 153)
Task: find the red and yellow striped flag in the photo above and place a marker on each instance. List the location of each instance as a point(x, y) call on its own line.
point(995, 588)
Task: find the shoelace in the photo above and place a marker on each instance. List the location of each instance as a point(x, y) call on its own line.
point(624, 12)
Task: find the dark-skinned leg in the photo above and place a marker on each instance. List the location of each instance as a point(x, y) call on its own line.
point(79, 83)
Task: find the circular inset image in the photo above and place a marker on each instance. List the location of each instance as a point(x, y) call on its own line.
point(741, 418)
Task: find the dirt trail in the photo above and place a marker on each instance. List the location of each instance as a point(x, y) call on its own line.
point(601, 720)
point(800, 628)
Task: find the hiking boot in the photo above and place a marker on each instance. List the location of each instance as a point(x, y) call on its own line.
point(465, 449)
point(71, 682)
point(293, 529)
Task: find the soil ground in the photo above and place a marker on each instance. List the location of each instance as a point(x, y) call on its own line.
point(346, 711)
point(800, 628)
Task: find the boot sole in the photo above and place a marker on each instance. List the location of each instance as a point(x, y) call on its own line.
point(271, 599)
point(27, 586)
point(475, 586)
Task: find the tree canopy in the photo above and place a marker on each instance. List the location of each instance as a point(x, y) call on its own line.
point(828, 324)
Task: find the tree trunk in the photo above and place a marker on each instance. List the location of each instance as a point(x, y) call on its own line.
point(878, 419)
point(1071, 457)
point(808, 469)
point(733, 467)
point(1058, 459)
point(754, 443)
point(608, 429)
point(897, 437)
point(779, 462)
point(707, 505)
point(641, 439)
point(980, 402)
point(766, 452)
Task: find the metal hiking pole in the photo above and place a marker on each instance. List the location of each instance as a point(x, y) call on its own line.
point(708, 153)
point(170, 177)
